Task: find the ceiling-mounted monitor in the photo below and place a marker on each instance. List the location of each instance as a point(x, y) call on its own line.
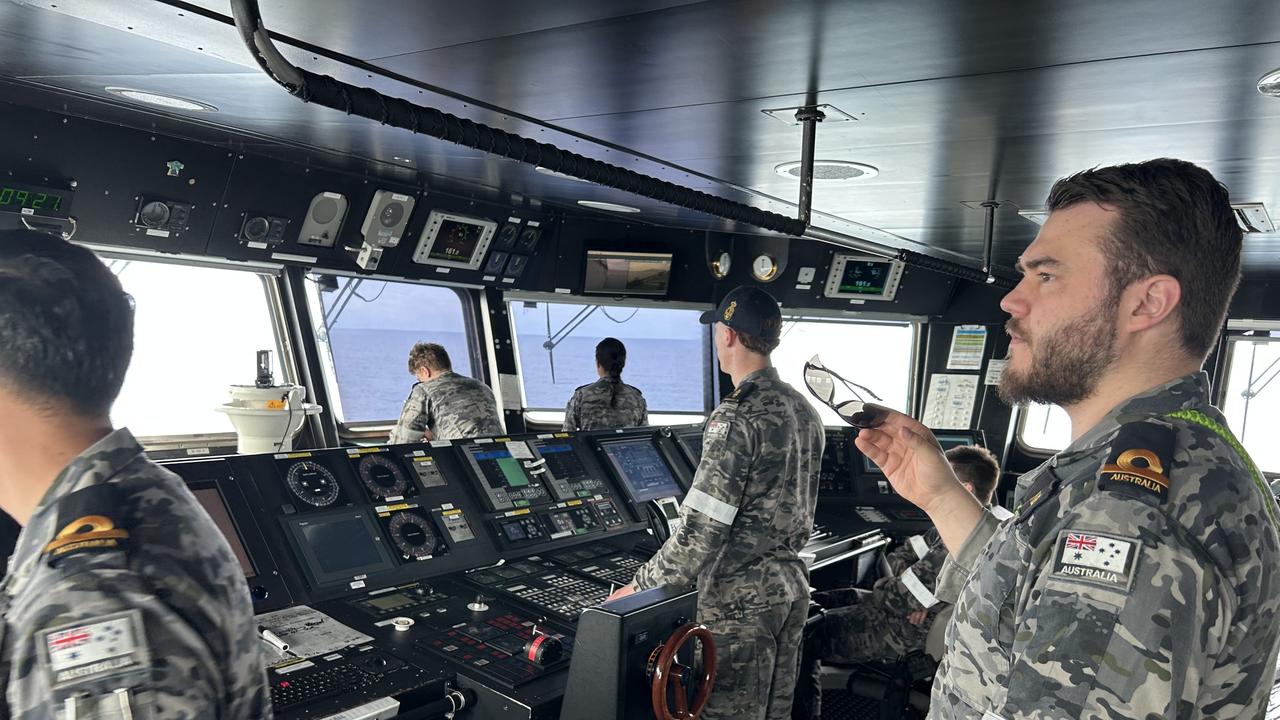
point(627, 273)
point(454, 240)
point(863, 277)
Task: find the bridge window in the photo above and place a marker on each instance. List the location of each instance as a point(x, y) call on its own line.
point(1252, 400)
point(668, 353)
point(877, 355)
point(196, 332)
point(1044, 429)
point(365, 329)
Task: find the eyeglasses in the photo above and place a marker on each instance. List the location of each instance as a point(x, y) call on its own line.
point(858, 412)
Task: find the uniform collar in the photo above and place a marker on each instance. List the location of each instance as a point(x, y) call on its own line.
point(767, 374)
point(1188, 391)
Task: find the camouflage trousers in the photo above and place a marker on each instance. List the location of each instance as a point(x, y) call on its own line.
point(856, 629)
point(758, 658)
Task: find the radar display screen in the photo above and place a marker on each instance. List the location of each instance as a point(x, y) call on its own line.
point(505, 479)
point(339, 546)
point(381, 475)
point(644, 473)
point(214, 504)
point(565, 472)
point(310, 481)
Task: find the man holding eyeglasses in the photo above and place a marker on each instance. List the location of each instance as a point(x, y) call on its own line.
point(1138, 576)
point(746, 518)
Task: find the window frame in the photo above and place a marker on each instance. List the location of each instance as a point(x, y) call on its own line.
point(843, 317)
point(199, 444)
point(1026, 448)
point(377, 430)
point(548, 417)
point(1232, 338)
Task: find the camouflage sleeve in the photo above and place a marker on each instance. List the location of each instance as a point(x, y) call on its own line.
point(1125, 608)
point(708, 512)
point(571, 413)
point(901, 557)
point(959, 565)
point(911, 586)
point(104, 642)
point(414, 418)
point(644, 411)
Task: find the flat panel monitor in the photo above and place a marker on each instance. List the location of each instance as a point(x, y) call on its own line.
point(454, 240)
point(639, 464)
point(863, 277)
point(627, 273)
point(339, 546)
point(948, 440)
point(689, 440)
point(504, 476)
point(564, 471)
point(210, 498)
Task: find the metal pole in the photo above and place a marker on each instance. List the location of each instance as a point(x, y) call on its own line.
point(989, 231)
point(809, 119)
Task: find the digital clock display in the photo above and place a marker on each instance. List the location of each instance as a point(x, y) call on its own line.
point(34, 200)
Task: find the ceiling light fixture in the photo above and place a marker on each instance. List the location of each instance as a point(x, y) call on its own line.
point(553, 173)
point(1035, 216)
point(611, 207)
point(169, 102)
point(1269, 84)
point(829, 170)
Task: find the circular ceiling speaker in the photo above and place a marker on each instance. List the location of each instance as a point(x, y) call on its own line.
point(829, 170)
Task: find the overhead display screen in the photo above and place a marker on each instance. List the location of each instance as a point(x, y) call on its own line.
point(506, 480)
point(864, 277)
point(214, 504)
point(454, 240)
point(621, 273)
point(644, 473)
point(33, 200)
point(339, 546)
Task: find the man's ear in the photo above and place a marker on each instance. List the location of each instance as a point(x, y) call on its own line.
point(1147, 302)
point(730, 336)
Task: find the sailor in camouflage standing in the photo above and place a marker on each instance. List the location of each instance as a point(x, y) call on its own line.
point(444, 405)
point(746, 518)
point(608, 402)
point(1138, 575)
point(895, 616)
point(122, 598)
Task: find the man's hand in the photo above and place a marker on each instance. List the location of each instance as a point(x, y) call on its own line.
point(428, 436)
point(913, 461)
point(622, 592)
point(918, 617)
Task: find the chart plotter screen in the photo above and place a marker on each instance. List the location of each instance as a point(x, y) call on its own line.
point(506, 480)
point(640, 466)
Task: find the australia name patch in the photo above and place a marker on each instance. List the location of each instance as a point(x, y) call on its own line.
point(1095, 558)
point(1139, 462)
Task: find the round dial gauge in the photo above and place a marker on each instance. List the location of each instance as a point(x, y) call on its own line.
point(413, 534)
point(382, 477)
point(312, 483)
point(720, 266)
point(764, 268)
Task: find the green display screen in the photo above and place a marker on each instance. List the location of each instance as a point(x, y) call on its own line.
point(33, 200)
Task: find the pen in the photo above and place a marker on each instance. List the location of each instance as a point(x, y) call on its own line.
point(273, 639)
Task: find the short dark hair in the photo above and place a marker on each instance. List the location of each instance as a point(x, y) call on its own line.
point(429, 355)
point(976, 466)
point(761, 345)
point(66, 324)
point(611, 355)
point(1174, 219)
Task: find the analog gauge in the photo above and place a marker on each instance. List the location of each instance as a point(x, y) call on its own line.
point(413, 534)
point(720, 266)
point(312, 483)
point(382, 477)
point(507, 236)
point(764, 268)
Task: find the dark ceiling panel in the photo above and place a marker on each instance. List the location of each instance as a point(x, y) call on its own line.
point(955, 101)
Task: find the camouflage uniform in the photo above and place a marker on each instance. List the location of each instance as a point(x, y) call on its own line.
point(121, 589)
point(861, 625)
point(605, 404)
point(451, 406)
point(743, 524)
point(1121, 589)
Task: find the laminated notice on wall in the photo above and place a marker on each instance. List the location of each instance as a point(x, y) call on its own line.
point(949, 404)
point(968, 344)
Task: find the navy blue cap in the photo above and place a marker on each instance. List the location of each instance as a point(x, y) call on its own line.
point(749, 310)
